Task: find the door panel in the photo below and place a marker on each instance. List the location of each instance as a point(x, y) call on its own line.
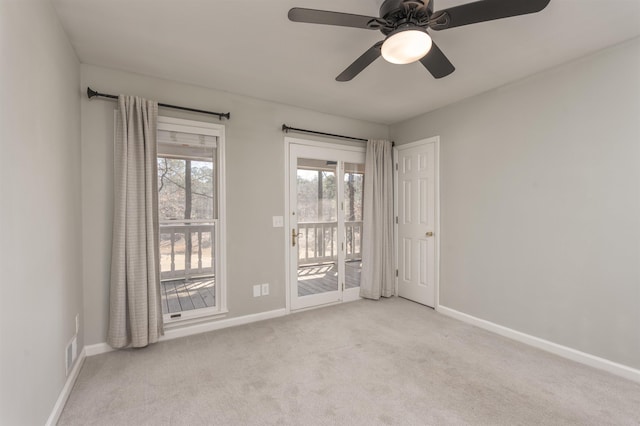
point(416, 223)
point(406, 185)
point(408, 259)
point(325, 199)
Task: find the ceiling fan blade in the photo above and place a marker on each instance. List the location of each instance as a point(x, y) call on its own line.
point(437, 63)
point(484, 10)
point(313, 16)
point(361, 63)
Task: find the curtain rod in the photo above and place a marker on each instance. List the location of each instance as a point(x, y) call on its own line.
point(286, 129)
point(92, 93)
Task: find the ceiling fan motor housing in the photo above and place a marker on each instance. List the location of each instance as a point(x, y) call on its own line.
point(396, 13)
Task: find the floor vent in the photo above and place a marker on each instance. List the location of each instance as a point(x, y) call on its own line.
point(71, 353)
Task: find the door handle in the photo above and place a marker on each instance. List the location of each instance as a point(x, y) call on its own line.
point(294, 237)
point(429, 234)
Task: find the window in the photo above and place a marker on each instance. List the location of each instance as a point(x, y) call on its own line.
point(191, 213)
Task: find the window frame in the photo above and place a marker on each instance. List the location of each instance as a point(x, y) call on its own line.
point(217, 130)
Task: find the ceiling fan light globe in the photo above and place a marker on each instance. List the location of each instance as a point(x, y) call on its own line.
point(405, 47)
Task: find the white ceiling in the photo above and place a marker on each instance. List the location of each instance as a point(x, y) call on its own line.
point(251, 48)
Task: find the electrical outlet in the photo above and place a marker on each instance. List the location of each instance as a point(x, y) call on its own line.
point(265, 289)
point(256, 290)
point(77, 323)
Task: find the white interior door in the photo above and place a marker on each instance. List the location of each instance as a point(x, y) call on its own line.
point(325, 224)
point(417, 221)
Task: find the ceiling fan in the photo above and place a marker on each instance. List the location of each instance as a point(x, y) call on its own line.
point(405, 23)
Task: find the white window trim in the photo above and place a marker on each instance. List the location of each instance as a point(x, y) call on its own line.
point(217, 130)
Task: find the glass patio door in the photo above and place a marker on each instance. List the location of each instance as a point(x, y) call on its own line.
point(325, 235)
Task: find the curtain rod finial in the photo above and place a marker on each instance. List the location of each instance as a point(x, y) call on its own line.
point(91, 93)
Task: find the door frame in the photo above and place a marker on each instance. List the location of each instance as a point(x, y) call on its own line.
point(396, 151)
point(288, 141)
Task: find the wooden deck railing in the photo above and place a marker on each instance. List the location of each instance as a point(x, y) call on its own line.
point(318, 241)
point(187, 248)
point(353, 246)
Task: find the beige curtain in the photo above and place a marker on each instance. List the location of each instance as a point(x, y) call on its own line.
point(135, 313)
point(378, 273)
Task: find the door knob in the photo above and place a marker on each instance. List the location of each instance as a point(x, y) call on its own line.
point(429, 234)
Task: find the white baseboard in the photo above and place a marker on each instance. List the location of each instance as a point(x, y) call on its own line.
point(563, 351)
point(190, 330)
point(97, 349)
point(66, 391)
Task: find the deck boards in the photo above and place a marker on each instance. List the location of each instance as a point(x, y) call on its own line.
point(181, 295)
point(322, 278)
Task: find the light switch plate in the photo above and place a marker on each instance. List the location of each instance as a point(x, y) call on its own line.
point(278, 221)
point(265, 289)
point(256, 290)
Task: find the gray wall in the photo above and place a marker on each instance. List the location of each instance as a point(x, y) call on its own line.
point(255, 184)
point(40, 224)
point(540, 203)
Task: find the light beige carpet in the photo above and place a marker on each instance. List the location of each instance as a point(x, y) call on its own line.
point(391, 362)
